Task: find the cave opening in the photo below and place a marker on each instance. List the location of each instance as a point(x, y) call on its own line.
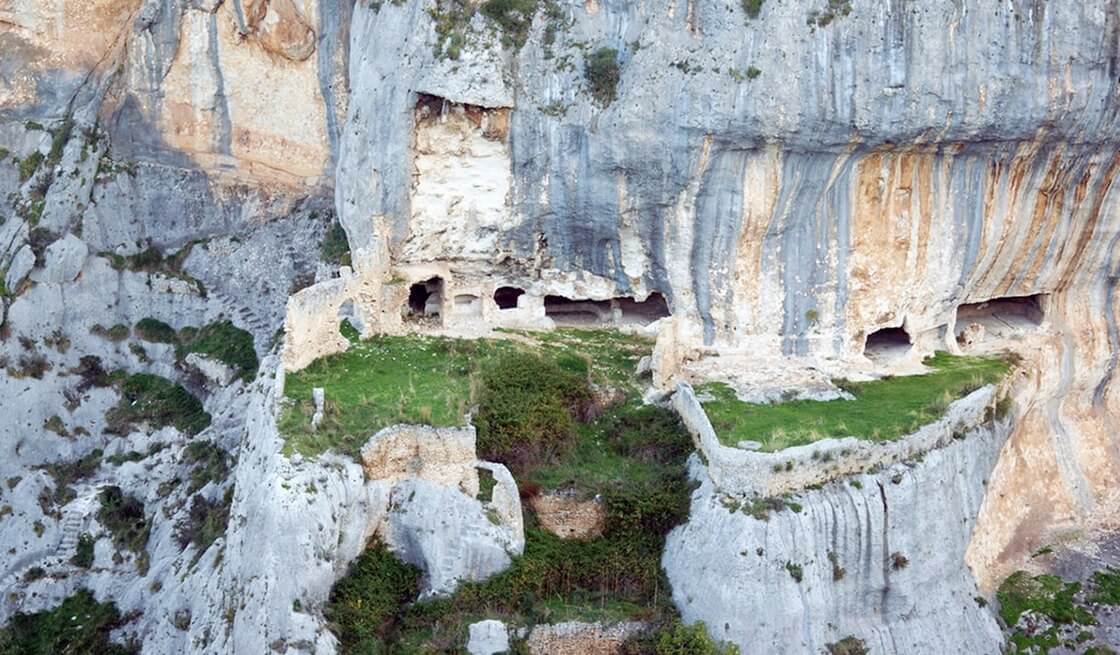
point(887, 344)
point(425, 299)
point(998, 318)
point(507, 297)
point(644, 312)
point(576, 312)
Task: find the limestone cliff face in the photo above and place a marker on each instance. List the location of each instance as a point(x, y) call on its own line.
point(790, 184)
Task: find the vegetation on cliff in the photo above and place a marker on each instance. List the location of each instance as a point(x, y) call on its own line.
point(1044, 612)
point(599, 440)
point(883, 409)
point(431, 380)
point(79, 625)
point(157, 401)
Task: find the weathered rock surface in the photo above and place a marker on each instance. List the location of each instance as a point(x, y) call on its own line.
point(568, 516)
point(880, 169)
point(881, 558)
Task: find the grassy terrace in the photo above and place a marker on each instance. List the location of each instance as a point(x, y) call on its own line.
point(883, 410)
point(431, 380)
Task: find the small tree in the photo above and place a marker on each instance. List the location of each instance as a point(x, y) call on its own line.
point(602, 73)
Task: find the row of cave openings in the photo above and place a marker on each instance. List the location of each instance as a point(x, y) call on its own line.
point(426, 303)
point(998, 319)
point(994, 320)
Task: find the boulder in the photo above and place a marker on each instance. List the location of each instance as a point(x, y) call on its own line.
point(452, 536)
point(488, 637)
point(214, 372)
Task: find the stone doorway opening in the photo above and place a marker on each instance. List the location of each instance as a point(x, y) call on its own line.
point(425, 300)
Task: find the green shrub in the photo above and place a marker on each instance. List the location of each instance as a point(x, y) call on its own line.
point(224, 341)
point(1106, 586)
point(639, 516)
point(514, 17)
point(123, 516)
point(752, 7)
point(849, 645)
point(117, 333)
point(157, 401)
point(210, 464)
point(335, 248)
point(151, 329)
point(206, 522)
point(680, 639)
point(364, 604)
point(603, 74)
point(1047, 594)
point(83, 558)
point(77, 626)
point(59, 137)
point(29, 164)
point(527, 409)
point(91, 372)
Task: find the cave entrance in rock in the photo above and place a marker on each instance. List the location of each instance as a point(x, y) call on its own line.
point(575, 312)
point(886, 345)
point(644, 312)
point(425, 299)
point(507, 297)
point(998, 319)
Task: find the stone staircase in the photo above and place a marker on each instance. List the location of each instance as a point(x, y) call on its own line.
point(75, 518)
point(246, 319)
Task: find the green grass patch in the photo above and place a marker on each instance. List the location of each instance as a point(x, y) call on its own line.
point(381, 382)
point(1106, 587)
point(157, 401)
point(883, 410)
point(387, 380)
point(221, 340)
point(79, 625)
point(1047, 594)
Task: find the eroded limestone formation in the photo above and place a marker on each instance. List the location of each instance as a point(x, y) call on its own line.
point(780, 199)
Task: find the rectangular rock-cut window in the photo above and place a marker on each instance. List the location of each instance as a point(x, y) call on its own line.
point(467, 304)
